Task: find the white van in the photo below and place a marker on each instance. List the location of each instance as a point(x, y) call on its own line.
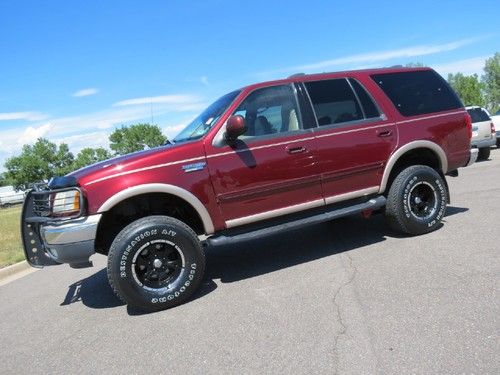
point(10, 196)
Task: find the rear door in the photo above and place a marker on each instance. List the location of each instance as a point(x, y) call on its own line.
point(354, 138)
point(271, 170)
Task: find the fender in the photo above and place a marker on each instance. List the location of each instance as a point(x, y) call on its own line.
point(408, 147)
point(162, 188)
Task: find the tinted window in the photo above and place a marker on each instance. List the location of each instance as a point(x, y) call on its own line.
point(333, 101)
point(367, 103)
point(478, 115)
point(417, 92)
point(270, 110)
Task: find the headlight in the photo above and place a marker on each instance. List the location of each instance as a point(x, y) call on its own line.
point(66, 203)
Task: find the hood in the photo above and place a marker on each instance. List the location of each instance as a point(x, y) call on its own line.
point(123, 163)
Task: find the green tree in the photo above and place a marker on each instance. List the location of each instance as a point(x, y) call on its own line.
point(4, 180)
point(89, 155)
point(468, 88)
point(136, 137)
point(39, 162)
point(491, 80)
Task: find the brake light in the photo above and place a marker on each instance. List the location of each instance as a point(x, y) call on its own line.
point(492, 128)
point(468, 124)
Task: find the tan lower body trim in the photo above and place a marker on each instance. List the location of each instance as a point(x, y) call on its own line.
point(300, 207)
point(352, 195)
point(274, 213)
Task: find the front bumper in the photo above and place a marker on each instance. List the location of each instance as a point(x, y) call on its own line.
point(48, 243)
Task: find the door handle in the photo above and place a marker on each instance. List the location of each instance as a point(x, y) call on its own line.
point(296, 150)
point(384, 133)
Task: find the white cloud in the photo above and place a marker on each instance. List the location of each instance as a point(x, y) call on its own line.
point(77, 142)
point(93, 129)
point(379, 56)
point(204, 80)
point(85, 92)
point(31, 134)
point(470, 66)
point(28, 116)
point(165, 99)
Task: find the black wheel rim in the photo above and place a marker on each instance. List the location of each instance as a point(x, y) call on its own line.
point(157, 265)
point(422, 200)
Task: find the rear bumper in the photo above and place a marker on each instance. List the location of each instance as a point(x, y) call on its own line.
point(473, 156)
point(488, 142)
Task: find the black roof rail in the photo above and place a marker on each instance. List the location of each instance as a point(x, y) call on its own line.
point(297, 75)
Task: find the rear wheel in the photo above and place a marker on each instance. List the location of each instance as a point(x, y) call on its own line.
point(416, 201)
point(484, 153)
point(155, 263)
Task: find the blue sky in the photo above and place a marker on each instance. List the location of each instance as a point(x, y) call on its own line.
point(73, 71)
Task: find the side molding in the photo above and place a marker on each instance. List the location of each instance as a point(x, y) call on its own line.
point(162, 188)
point(408, 147)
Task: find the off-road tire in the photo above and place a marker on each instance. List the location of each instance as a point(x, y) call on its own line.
point(404, 216)
point(160, 237)
point(484, 153)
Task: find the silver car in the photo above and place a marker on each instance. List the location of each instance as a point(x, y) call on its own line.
point(483, 131)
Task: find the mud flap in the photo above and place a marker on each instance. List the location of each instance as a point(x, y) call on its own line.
point(34, 250)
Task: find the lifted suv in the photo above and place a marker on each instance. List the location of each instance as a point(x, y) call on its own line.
point(271, 156)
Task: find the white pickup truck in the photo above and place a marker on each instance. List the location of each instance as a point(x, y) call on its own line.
point(10, 196)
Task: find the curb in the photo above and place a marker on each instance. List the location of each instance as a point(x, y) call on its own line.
point(14, 269)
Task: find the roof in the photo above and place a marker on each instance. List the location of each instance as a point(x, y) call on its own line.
point(300, 77)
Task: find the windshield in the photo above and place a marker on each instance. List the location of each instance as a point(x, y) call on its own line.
point(204, 122)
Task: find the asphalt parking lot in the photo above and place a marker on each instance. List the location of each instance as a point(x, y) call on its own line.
point(347, 297)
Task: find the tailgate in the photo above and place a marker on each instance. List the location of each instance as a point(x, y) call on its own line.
point(481, 130)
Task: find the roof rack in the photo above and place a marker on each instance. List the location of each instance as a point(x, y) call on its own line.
point(297, 75)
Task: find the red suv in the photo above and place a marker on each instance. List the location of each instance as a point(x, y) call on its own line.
point(271, 156)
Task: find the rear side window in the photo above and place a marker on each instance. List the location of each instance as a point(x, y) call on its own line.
point(333, 101)
point(478, 115)
point(418, 92)
point(367, 103)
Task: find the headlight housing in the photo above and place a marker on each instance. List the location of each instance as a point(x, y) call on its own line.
point(66, 203)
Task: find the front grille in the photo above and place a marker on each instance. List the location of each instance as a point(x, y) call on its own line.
point(41, 203)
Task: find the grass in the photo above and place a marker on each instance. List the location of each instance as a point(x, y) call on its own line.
point(11, 250)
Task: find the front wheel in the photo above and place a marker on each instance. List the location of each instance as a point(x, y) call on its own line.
point(155, 263)
point(416, 201)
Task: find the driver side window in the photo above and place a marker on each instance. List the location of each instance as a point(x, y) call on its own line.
point(269, 111)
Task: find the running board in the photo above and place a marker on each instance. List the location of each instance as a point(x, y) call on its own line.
point(228, 238)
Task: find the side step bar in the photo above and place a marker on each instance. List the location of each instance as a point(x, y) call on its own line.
point(227, 238)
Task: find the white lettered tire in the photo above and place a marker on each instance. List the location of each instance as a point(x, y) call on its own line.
point(416, 202)
point(156, 263)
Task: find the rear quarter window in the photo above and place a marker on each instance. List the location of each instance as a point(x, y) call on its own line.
point(418, 92)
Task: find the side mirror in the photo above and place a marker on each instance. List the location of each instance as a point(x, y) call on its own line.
point(235, 127)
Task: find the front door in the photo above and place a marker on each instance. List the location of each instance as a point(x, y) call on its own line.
point(272, 169)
